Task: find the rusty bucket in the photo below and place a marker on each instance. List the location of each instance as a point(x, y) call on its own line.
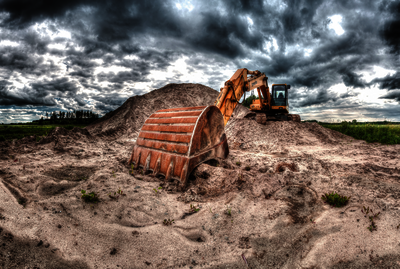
point(172, 142)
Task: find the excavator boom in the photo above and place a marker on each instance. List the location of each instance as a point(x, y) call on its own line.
point(236, 87)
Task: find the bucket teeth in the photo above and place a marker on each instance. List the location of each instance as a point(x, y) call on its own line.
point(137, 162)
point(147, 164)
point(156, 169)
point(170, 171)
point(184, 173)
point(132, 156)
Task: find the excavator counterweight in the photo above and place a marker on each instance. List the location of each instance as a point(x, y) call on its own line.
point(172, 142)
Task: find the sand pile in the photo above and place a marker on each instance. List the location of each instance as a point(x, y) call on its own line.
point(126, 121)
point(245, 133)
point(261, 206)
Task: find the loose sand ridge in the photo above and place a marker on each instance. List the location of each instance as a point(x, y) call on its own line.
point(271, 207)
point(126, 121)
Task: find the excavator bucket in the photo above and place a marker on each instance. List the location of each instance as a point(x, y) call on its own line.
point(172, 142)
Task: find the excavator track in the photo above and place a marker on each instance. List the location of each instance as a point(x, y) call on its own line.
point(295, 117)
point(261, 118)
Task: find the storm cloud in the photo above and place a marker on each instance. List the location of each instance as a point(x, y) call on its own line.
point(394, 95)
point(85, 54)
point(388, 82)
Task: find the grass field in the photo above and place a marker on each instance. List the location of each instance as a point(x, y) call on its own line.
point(9, 132)
point(385, 134)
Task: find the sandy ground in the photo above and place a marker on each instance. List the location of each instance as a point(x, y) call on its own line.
point(44, 223)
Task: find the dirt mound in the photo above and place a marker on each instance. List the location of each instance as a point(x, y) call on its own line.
point(59, 134)
point(261, 206)
point(127, 120)
point(245, 133)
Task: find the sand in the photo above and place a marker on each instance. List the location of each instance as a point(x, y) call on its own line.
point(271, 183)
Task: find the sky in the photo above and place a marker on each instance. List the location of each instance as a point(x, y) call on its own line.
point(341, 58)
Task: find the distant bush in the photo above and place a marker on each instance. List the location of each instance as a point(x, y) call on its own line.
point(249, 100)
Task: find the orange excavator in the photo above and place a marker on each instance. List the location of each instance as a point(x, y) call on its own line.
point(172, 142)
point(272, 105)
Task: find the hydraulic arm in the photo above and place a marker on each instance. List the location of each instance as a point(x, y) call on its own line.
point(237, 86)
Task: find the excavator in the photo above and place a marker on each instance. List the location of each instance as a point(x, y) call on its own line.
point(172, 142)
point(272, 106)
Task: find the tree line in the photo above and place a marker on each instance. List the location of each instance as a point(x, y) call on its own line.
point(67, 117)
point(76, 114)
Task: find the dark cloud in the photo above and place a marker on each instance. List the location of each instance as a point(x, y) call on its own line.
point(351, 79)
point(38, 93)
point(382, 112)
point(91, 86)
point(110, 99)
point(390, 30)
point(120, 77)
point(62, 86)
point(216, 36)
point(13, 59)
point(324, 97)
point(35, 42)
point(81, 73)
point(393, 95)
point(321, 97)
point(389, 82)
point(297, 16)
point(224, 35)
point(348, 94)
point(26, 96)
point(121, 21)
point(80, 61)
point(138, 91)
point(118, 20)
point(109, 102)
point(248, 7)
point(24, 13)
point(91, 47)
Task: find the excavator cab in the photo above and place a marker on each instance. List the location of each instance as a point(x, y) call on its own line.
point(279, 97)
point(279, 94)
point(277, 108)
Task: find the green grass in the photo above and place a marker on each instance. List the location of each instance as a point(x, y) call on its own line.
point(385, 134)
point(91, 197)
point(335, 199)
point(193, 209)
point(366, 211)
point(228, 211)
point(156, 190)
point(10, 132)
point(115, 194)
point(168, 222)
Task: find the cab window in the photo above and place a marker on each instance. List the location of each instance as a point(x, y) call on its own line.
point(279, 95)
point(279, 92)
